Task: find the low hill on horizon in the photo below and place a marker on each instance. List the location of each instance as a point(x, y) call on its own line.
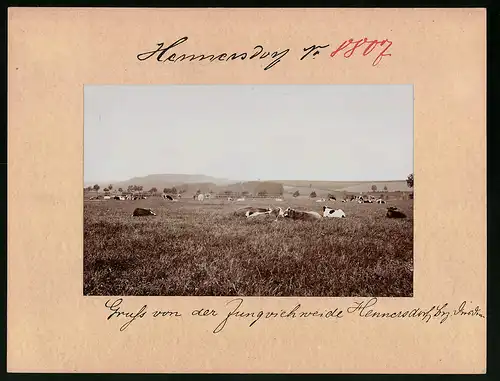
point(161, 181)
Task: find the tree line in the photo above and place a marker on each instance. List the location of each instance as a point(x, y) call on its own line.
point(262, 193)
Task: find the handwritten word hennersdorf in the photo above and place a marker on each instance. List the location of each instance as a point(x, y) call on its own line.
point(377, 49)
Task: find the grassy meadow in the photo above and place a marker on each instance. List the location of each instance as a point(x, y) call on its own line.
point(202, 248)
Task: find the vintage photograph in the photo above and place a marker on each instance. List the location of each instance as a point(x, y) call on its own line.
point(248, 190)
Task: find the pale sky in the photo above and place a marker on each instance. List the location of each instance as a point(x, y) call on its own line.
point(249, 132)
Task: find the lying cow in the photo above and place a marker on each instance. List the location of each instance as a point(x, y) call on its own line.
point(277, 212)
point(251, 214)
point(168, 197)
point(332, 213)
point(393, 212)
point(332, 198)
point(243, 211)
point(321, 200)
point(138, 212)
point(380, 201)
point(300, 215)
point(241, 199)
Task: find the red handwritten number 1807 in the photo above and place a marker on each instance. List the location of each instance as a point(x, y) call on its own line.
point(371, 45)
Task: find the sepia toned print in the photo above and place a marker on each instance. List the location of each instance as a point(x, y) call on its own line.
point(312, 194)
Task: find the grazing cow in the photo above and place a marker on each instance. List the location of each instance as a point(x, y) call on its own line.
point(107, 197)
point(171, 198)
point(332, 213)
point(138, 212)
point(380, 201)
point(345, 200)
point(116, 197)
point(230, 199)
point(299, 215)
point(241, 199)
point(201, 197)
point(393, 212)
point(332, 198)
point(250, 214)
point(279, 199)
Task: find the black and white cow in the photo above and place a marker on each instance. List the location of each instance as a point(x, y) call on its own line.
point(333, 213)
point(243, 211)
point(252, 214)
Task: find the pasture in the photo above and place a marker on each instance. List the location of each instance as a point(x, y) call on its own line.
point(201, 248)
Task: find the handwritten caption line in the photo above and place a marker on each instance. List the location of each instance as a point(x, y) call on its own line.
point(166, 54)
point(361, 309)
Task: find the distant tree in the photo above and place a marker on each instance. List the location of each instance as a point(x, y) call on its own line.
point(262, 193)
point(313, 194)
point(296, 193)
point(385, 188)
point(106, 190)
point(374, 188)
point(96, 188)
point(174, 190)
point(409, 181)
point(120, 189)
point(153, 190)
point(245, 193)
point(166, 190)
point(131, 188)
point(110, 187)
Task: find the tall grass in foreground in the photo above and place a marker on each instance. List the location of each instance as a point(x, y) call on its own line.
point(193, 248)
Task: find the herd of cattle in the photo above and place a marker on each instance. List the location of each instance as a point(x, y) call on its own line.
point(251, 212)
point(122, 198)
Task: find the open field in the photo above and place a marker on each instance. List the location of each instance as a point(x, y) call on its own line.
point(201, 248)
